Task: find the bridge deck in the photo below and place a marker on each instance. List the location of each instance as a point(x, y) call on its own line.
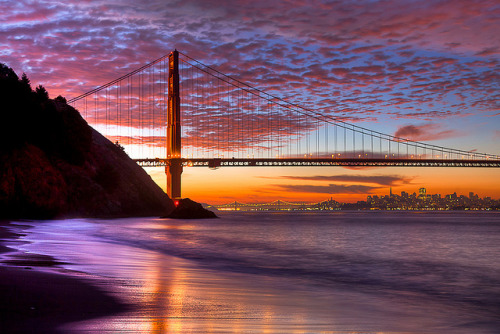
point(297, 162)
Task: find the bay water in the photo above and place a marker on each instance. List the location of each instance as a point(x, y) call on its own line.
point(286, 272)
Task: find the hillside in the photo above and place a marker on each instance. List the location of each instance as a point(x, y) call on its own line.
point(53, 164)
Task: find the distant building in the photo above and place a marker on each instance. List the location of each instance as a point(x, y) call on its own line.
point(422, 193)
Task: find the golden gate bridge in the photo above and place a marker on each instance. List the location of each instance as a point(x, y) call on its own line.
point(178, 112)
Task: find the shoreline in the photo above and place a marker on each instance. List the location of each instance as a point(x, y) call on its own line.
point(36, 299)
point(229, 274)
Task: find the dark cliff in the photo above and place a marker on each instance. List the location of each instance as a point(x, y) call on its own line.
point(52, 164)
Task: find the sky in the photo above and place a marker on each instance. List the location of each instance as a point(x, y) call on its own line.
point(423, 70)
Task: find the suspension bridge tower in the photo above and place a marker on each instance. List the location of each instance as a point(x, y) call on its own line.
point(174, 167)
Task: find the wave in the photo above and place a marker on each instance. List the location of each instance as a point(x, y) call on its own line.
point(246, 249)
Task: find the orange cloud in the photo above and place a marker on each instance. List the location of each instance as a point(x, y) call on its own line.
point(382, 180)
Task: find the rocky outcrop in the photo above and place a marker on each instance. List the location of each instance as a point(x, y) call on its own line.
point(52, 164)
point(188, 209)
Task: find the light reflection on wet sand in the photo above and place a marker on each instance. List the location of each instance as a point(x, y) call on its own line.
point(172, 295)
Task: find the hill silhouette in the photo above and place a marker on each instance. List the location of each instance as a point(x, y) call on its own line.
point(53, 164)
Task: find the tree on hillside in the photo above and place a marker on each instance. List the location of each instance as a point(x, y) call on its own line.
point(25, 80)
point(6, 73)
point(41, 93)
point(30, 117)
point(60, 99)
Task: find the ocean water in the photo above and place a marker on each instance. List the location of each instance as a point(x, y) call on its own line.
point(339, 272)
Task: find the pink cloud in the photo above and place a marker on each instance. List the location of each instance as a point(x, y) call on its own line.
point(425, 132)
point(367, 61)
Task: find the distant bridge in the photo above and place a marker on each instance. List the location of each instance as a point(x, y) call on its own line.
point(277, 205)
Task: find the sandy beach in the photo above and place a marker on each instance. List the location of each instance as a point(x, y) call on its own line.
point(36, 298)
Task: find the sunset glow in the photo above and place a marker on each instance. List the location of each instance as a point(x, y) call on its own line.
point(422, 70)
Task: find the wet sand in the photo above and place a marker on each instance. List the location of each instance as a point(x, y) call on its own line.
point(35, 298)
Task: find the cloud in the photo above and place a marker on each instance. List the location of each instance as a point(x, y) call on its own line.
point(365, 61)
point(372, 183)
point(489, 51)
point(382, 180)
point(329, 189)
point(151, 141)
point(424, 132)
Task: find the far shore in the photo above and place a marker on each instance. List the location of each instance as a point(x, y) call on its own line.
point(35, 298)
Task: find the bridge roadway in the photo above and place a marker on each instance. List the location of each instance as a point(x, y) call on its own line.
point(316, 162)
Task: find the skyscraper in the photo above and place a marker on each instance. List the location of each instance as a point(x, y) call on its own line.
point(422, 193)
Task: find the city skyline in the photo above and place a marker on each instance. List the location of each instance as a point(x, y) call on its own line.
point(380, 195)
point(425, 70)
point(422, 201)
